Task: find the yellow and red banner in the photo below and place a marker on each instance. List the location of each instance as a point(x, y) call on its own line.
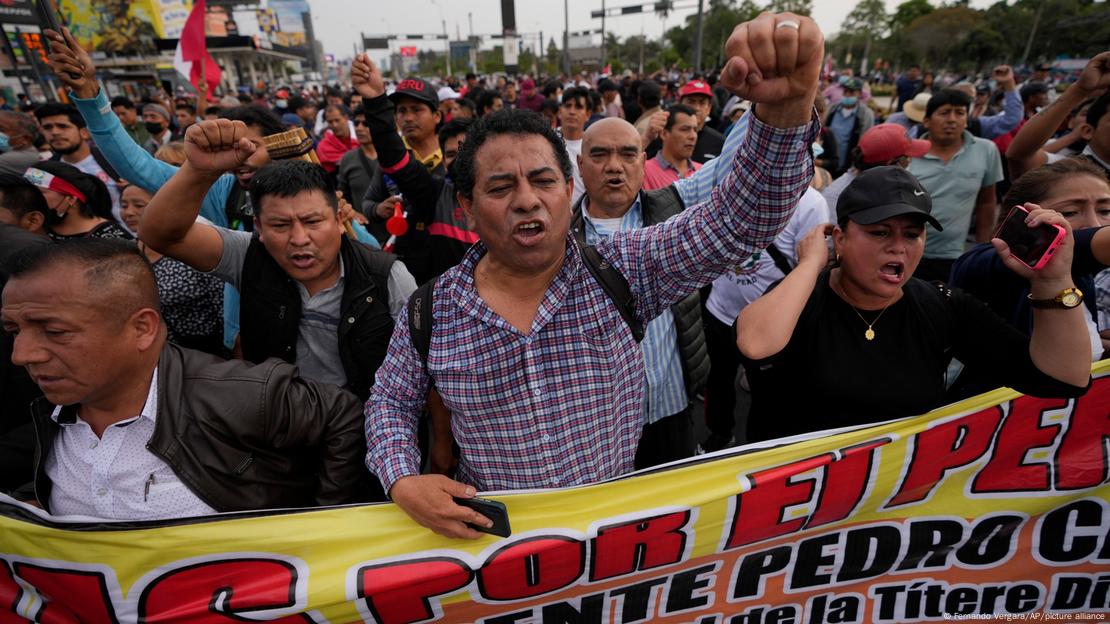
point(995, 509)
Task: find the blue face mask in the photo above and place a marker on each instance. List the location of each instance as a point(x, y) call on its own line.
point(5, 145)
point(849, 101)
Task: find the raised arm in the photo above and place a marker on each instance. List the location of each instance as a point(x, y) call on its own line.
point(170, 222)
point(991, 126)
point(767, 178)
point(1025, 151)
point(765, 325)
point(1059, 346)
point(416, 183)
point(75, 68)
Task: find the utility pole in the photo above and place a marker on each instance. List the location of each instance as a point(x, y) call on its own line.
point(447, 40)
point(603, 55)
point(566, 37)
point(697, 45)
point(1033, 32)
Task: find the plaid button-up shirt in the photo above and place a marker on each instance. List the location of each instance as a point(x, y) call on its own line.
point(563, 405)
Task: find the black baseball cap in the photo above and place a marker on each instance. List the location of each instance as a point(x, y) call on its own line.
point(418, 89)
point(884, 192)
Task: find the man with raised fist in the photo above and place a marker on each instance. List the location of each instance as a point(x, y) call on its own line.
point(310, 295)
point(529, 340)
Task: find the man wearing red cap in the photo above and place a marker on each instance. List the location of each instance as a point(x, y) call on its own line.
point(884, 144)
point(697, 95)
point(529, 98)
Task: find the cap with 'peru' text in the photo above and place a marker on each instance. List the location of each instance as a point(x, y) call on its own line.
point(417, 89)
point(882, 193)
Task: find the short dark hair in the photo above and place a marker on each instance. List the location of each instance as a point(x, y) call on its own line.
point(117, 272)
point(649, 94)
point(1098, 110)
point(342, 108)
point(20, 196)
point(1030, 89)
point(255, 116)
point(359, 110)
point(466, 103)
point(674, 110)
point(213, 110)
point(485, 100)
point(471, 75)
point(289, 178)
point(188, 107)
point(549, 106)
point(513, 122)
point(120, 100)
point(297, 102)
point(577, 93)
point(453, 128)
point(955, 97)
point(55, 109)
point(550, 88)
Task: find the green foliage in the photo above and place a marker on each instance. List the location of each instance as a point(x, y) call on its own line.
point(801, 7)
point(721, 17)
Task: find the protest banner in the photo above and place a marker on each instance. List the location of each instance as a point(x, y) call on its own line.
point(993, 509)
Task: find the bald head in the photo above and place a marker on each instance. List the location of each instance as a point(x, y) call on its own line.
point(612, 167)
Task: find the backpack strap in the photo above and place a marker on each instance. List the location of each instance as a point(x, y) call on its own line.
point(616, 286)
point(420, 319)
point(780, 259)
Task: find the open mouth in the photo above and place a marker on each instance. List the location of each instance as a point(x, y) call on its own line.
point(529, 232)
point(892, 272)
point(614, 182)
point(302, 260)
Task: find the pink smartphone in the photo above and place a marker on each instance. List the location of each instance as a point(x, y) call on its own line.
point(1032, 246)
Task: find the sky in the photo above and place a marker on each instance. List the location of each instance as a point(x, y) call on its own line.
point(338, 22)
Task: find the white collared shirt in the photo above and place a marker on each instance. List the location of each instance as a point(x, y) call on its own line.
point(114, 476)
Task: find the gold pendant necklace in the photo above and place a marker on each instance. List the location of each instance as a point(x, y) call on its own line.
point(870, 333)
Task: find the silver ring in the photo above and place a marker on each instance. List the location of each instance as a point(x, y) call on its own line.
point(788, 24)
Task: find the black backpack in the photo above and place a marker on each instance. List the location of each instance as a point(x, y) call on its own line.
point(612, 282)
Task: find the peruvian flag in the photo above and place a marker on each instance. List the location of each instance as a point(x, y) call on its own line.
point(191, 59)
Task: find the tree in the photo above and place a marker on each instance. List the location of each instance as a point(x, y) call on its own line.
point(866, 22)
point(718, 21)
point(907, 12)
point(938, 36)
point(801, 7)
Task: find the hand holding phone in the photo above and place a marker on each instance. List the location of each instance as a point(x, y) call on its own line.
point(1032, 246)
point(494, 510)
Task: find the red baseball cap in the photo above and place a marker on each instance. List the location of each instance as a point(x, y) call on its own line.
point(695, 87)
point(888, 141)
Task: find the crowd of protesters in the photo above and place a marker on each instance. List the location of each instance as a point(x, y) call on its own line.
point(416, 290)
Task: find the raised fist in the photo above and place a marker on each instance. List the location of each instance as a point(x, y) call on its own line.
point(1096, 75)
point(366, 77)
point(774, 58)
point(1004, 76)
point(217, 146)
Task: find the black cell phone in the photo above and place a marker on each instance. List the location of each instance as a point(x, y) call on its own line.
point(1032, 246)
point(47, 13)
point(494, 510)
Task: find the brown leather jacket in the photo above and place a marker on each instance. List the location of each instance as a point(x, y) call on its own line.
point(244, 436)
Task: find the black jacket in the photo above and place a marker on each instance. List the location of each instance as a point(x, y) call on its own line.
point(658, 206)
point(271, 311)
point(242, 436)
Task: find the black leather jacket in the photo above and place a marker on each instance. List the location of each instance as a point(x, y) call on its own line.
point(244, 436)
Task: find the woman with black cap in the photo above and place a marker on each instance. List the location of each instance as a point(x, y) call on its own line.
point(866, 342)
point(79, 203)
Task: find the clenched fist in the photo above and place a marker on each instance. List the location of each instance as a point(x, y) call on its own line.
point(366, 77)
point(775, 59)
point(217, 146)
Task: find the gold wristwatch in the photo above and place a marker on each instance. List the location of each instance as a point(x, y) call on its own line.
point(1068, 298)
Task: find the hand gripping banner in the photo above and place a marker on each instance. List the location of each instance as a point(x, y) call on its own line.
point(995, 509)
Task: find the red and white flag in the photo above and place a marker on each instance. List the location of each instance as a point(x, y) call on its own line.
point(191, 59)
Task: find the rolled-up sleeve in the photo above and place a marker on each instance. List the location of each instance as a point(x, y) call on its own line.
point(751, 205)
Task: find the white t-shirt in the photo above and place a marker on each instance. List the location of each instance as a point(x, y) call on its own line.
point(574, 148)
point(742, 285)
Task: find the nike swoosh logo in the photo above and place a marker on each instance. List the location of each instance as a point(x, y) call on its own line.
point(918, 193)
